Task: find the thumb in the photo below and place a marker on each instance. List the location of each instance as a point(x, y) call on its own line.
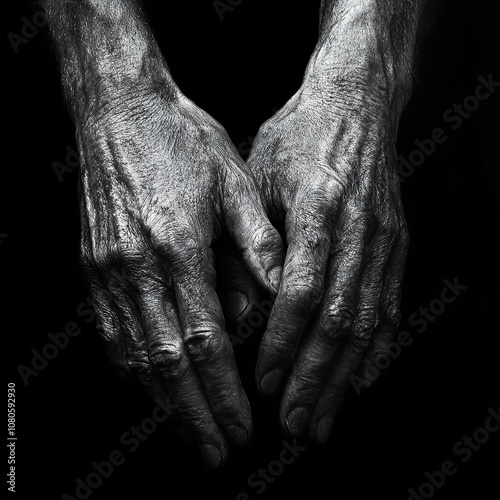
point(250, 229)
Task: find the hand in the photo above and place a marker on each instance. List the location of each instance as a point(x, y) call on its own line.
point(326, 167)
point(159, 180)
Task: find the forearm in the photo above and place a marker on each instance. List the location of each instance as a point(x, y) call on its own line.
point(370, 43)
point(106, 53)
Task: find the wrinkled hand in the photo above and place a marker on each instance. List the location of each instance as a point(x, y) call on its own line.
point(159, 180)
point(326, 166)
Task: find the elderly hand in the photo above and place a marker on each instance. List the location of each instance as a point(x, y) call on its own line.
point(326, 166)
point(160, 179)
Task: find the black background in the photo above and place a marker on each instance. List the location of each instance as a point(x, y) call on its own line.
point(239, 70)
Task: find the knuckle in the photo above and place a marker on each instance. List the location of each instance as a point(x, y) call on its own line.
point(141, 366)
point(128, 252)
point(194, 417)
point(168, 358)
point(266, 239)
point(380, 349)
point(337, 320)
point(318, 235)
point(362, 331)
point(112, 256)
point(334, 187)
point(180, 248)
point(334, 394)
point(329, 190)
point(304, 290)
point(304, 381)
point(392, 315)
point(203, 346)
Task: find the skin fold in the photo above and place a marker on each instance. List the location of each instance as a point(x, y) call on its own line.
point(160, 180)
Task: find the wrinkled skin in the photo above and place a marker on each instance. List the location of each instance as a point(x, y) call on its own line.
point(159, 180)
point(326, 166)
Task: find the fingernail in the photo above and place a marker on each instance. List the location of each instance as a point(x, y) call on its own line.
point(296, 420)
point(274, 277)
point(211, 455)
point(324, 428)
point(237, 302)
point(237, 434)
point(270, 382)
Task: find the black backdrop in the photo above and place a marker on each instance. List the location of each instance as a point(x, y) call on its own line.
point(239, 69)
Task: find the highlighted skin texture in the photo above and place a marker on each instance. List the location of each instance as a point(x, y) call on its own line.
point(326, 166)
point(159, 180)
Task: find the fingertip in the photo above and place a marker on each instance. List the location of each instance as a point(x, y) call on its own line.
point(274, 278)
point(269, 382)
point(296, 420)
point(238, 435)
point(213, 456)
point(323, 429)
point(264, 257)
point(240, 429)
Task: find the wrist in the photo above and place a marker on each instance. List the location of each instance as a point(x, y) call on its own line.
point(360, 53)
point(106, 53)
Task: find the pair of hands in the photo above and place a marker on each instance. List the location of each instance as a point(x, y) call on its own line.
point(160, 180)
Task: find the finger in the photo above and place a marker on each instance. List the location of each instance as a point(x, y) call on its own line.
point(308, 229)
point(105, 273)
point(356, 342)
point(249, 227)
point(135, 363)
point(117, 291)
point(119, 286)
point(108, 326)
point(390, 310)
point(334, 321)
point(140, 322)
point(205, 339)
point(169, 358)
point(107, 317)
point(107, 320)
point(237, 290)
